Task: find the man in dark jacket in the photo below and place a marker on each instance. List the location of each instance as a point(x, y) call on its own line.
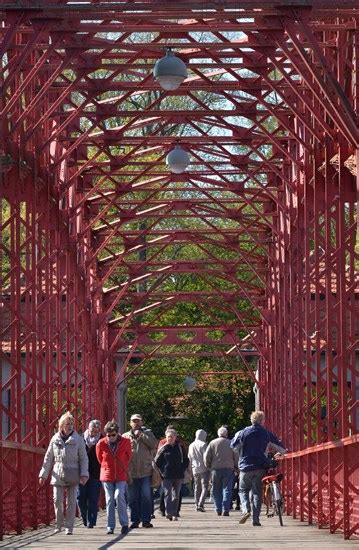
point(172, 461)
point(253, 443)
point(89, 493)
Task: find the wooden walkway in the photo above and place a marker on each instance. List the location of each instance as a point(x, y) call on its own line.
point(193, 531)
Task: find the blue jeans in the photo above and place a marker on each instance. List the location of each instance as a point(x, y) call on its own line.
point(140, 499)
point(251, 481)
point(87, 499)
point(222, 481)
point(115, 493)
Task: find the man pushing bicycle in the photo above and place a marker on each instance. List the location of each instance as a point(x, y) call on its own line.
point(253, 443)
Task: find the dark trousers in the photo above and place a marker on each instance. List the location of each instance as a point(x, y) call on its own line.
point(162, 502)
point(172, 489)
point(87, 499)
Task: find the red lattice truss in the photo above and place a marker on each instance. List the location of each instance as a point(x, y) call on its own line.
point(100, 242)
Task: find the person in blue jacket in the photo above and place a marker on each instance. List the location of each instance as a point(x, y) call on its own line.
point(253, 444)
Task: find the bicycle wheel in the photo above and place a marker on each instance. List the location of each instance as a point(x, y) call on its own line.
point(268, 500)
point(278, 507)
point(277, 502)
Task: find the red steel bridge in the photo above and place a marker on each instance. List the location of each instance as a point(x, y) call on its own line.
point(101, 242)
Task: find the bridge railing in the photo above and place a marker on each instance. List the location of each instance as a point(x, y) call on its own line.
point(23, 504)
point(322, 485)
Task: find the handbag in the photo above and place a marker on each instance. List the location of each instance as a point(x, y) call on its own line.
point(70, 476)
point(156, 478)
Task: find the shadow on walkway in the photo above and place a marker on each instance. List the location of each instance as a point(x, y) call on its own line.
point(193, 531)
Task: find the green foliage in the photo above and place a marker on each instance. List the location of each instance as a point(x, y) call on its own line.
point(5, 235)
point(152, 397)
point(216, 399)
point(14, 242)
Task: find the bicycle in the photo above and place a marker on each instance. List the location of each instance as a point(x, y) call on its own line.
point(272, 494)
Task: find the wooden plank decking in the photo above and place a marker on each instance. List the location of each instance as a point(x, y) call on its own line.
point(193, 531)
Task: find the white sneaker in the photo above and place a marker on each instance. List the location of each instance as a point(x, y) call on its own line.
point(57, 530)
point(68, 531)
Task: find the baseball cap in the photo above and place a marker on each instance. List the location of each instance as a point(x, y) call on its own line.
point(136, 417)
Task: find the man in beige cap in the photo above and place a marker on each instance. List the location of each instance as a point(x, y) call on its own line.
point(143, 444)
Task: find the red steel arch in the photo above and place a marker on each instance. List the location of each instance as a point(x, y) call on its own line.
point(92, 223)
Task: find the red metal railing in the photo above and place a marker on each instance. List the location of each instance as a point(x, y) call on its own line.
point(23, 504)
point(321, 485)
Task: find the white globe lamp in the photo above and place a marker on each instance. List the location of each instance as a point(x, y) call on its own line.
point(170, 71)
point(189, 383)
point(177, 160)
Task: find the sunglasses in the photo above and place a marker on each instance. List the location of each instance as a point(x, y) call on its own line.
point(112, 434)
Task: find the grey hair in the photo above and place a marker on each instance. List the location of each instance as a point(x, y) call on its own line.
point(94, 423)
point(222, 432)
point(171, 431)
point(257, 417)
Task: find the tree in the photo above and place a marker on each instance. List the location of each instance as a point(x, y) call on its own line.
point(216, 400)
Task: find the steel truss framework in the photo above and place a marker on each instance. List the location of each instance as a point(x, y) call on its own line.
point(93, 224)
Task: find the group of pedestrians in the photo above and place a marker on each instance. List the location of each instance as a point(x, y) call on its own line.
point(126, 465)
point(122, 464)
point(247, 453)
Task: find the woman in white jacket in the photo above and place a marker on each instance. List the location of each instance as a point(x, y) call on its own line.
point(66, 457)
point(200, 472)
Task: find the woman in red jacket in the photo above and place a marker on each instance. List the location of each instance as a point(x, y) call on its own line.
point(113, 453)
